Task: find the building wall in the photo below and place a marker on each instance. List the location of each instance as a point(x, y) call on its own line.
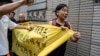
point(95, 42)
point(81, 17)
point(87, 21)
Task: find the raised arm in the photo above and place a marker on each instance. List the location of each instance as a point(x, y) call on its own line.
point(6, 8)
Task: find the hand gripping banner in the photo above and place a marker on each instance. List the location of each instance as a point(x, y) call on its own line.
point(40, 41)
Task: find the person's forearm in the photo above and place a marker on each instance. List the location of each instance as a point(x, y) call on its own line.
point(4, 9)
point(24, 27)
point(21, 27)
point(74, 39)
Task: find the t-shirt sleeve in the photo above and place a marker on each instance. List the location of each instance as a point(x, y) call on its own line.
point(12, 24)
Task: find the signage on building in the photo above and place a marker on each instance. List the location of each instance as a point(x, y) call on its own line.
point(37, 15)
point(37, 10)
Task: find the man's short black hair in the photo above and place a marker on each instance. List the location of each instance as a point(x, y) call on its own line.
point(5, 1)
point(14, 13)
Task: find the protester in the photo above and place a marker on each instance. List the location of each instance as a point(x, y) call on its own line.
point(21, 18)
point(11, 17)
point(61, 12)
point(6, 7)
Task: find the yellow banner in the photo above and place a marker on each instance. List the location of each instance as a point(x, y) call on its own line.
point(42, 40)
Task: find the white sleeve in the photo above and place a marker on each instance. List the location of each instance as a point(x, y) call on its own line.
point(12, 24)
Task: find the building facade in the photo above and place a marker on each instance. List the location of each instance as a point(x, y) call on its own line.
point(84, 15)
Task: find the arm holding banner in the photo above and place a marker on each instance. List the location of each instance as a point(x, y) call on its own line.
point(24, 27)
point(7, 8)
point(76, 35)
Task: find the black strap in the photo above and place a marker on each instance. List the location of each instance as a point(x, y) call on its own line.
point(66, 23)
point(54, 21)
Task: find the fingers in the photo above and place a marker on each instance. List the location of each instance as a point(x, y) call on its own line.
point(28, 28)
point(77, 35)
point(63, 27)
